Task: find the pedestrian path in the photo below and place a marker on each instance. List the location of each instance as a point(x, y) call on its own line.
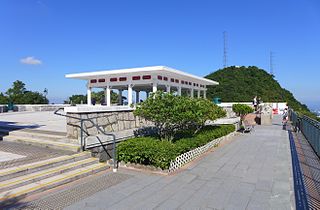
point(253, 171)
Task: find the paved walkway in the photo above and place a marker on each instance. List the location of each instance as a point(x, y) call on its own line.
point(253, 171)
point(37, 120)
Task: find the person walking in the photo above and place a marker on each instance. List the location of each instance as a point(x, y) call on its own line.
point(285, 119)
point(255, 103)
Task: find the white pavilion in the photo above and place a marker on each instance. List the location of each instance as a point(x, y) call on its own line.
point(144, 79)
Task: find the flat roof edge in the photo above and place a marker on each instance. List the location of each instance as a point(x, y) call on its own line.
point(85, 75)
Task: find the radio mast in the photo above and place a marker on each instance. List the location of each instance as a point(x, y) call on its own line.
point(225, 54)
point(271, 63)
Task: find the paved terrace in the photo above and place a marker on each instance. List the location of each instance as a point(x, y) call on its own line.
point(46, 120)
point(253, 171)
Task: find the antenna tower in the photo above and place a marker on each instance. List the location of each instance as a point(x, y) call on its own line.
point(225, 49)
point(271, 63)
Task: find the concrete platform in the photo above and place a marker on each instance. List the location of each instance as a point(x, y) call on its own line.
point(37, 120)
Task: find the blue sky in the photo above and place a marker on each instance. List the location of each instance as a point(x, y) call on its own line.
point(56, 37)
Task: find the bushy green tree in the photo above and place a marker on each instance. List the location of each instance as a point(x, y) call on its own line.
point(30, 97)
point(77, 99)
point(18, 94)
point(98, 96)
point(172, 114)
point(3, 99)
point(242, 109)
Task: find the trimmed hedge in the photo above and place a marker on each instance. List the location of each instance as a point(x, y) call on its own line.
point(151, 151)
point(242, 109)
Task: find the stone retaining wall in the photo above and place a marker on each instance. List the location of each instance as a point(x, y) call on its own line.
point(109, 121)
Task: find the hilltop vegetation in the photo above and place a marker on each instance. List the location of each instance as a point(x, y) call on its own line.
point(241, 84)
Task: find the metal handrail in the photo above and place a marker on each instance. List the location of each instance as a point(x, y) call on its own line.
point(83, 140)
point(309, 127)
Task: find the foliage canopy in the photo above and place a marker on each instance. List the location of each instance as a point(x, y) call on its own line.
point(18, 94)
point(242, 109)
point(171, 113)
point(98, 96)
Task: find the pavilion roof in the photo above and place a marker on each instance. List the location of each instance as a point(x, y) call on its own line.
point(162, 70)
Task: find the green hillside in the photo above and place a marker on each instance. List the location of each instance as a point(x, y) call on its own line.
point(241, 84)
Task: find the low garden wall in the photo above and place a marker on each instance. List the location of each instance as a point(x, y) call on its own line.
point(33, 107)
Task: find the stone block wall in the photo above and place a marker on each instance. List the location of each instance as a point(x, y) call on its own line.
point(108, 121)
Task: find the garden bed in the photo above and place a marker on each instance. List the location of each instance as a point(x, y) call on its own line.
point(169, 156)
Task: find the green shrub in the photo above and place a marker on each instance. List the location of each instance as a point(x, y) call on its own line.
point(147, 151)
point(206, 135)
point(242, 109)
point(151, 151)
point(172, 114)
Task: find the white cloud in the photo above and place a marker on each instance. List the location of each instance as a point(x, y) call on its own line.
point(30, 61)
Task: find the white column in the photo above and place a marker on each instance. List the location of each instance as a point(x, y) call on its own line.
point(129, 94)
point(137, 96)
point(191, 92)
point(108, 96)
point(204, 94)
point(179, 91)
point(89, 96)
point(120, 97)
point(198, 93)
point(168, 88)
point(105, 96)
point(154, 87)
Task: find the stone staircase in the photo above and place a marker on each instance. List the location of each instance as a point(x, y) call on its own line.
point(42, 138)
point(21, 181)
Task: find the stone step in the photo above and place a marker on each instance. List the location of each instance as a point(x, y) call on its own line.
point(51, 182)
point(9, 173)
point(42, 174)
point(35, 135)
point(44, 143)
point(39, 131)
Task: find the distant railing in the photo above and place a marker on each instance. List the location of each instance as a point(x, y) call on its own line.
point(309, 127)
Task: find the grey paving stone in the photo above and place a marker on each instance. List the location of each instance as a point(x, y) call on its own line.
point(238, 200)
point(168, 204)
point(254, 205)
point(245, 188)
point(261, 196)
point(264, 185)
point(252, 172)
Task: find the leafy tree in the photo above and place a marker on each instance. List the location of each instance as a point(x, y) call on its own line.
point(77, 99)
point(18, 94)
point(15, 94)
point(172, 114)
point(98, 96)
point(242, 109)
point(3, 99)
point(30, 97)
